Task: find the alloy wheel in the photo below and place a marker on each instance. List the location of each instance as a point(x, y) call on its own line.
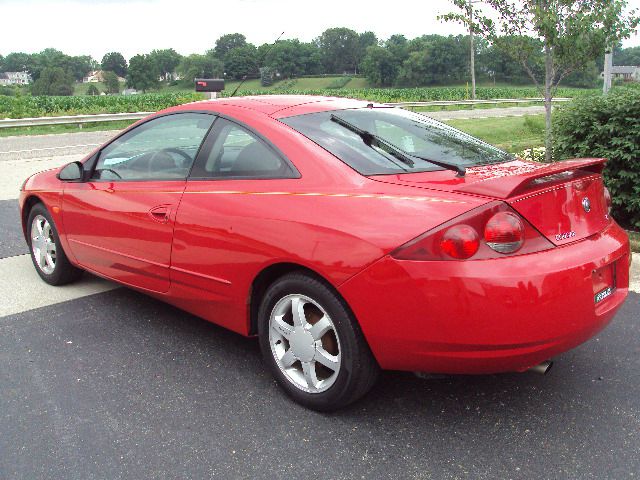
point(43, 244)
point(304, 343)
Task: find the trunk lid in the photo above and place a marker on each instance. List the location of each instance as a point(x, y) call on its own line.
point(564, 200)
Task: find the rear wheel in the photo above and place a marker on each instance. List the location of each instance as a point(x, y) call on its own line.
point(47, 255)
point(313, 345)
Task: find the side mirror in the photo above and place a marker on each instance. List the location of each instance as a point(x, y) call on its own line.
point(71, 172)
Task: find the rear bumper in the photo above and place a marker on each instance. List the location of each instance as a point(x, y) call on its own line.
point(487, 316)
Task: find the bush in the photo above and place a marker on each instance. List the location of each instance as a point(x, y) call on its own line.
point(606, 126)
point(92, 90)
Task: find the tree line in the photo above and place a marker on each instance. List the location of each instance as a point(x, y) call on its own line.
point(396, 61)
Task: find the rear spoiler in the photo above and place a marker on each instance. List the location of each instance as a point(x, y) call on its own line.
point(507, 184)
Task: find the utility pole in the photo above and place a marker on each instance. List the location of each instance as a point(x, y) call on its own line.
point(608, 67)
point(473, 50)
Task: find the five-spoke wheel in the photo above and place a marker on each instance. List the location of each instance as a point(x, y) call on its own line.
point(47, 254)
point(43, 245)
point(304, 343)
point(313, 344)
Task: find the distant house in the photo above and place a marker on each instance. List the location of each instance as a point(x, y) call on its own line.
point(625, 73)
point(97, 76)
point(15, 78)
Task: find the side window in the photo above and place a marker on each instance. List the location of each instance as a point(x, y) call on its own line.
point(236, 152)
point(160, 149)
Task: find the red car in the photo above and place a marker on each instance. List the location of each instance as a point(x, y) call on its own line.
point(347, 236)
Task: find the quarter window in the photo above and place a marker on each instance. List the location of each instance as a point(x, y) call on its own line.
point(160, 149)
point(235, 152)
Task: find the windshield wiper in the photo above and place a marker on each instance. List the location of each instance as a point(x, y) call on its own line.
point(373, 140)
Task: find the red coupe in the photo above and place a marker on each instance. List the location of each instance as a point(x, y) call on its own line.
point(347, 236)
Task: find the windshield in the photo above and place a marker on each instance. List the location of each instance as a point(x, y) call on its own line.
point(417, 135)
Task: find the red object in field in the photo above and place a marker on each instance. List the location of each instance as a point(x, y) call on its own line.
point(493, 271)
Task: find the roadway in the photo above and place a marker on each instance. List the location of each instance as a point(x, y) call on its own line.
point(103, 382)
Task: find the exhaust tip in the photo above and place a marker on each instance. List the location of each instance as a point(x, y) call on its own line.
point(542, 368)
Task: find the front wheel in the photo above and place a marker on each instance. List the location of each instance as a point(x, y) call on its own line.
point(313, 345)
point(47, 255)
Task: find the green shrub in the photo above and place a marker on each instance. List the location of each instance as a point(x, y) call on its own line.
point(606, 126)
point(92, 90)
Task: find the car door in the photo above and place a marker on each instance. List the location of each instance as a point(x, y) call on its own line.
point(120, 222)
point(219, 238)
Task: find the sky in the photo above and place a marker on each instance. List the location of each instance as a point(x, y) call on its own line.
point(95, 27)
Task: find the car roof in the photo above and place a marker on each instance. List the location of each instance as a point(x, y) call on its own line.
point(276, 106)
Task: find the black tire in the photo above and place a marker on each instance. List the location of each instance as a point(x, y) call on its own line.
point(63, 272)
point(358, 369)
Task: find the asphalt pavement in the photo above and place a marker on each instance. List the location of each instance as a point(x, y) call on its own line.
point(100, 382)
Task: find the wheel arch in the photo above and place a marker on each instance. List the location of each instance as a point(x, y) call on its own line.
point(267, 276)
point(29, 203)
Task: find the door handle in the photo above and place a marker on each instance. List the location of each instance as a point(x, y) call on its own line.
point(161, 213)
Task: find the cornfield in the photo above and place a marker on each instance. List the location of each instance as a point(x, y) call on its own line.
point(28, 106)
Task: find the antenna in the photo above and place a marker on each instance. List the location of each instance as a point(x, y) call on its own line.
point(265, 56)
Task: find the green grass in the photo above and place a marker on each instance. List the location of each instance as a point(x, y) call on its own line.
point(81, 88)
point(634, 238)
point(513, 134)
point(70, 128)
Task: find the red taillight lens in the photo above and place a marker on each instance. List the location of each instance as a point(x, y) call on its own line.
point(504, 232)
point(607, 199)
point(460, 241)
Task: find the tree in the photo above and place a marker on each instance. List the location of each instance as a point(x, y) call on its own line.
point(501, 65)
point(19, 62)
point(111, 83)
point(311, 59)
point(572, 32)
point(53, 81)
point(365, 40)
point(1, 63)
point(379, 66)
point(92, 90)
point(240, 62)
point(166, 61)
point(142, 73)
point(435, 59)
point(115, 62)
point(228, 42)
point(79, 66)
point(285, 57)
point(198, 66)
point(339, 49)
point(627, 56)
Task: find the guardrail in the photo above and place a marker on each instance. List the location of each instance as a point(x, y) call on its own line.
point(114, 117)
point(71, 119)
point(495, 101)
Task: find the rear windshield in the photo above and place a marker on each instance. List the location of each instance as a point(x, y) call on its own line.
point(415, 134)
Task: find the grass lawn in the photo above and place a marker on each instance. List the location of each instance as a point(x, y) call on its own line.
point(513, 134)
point(81, 88)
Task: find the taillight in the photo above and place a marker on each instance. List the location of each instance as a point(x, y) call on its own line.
point(460, 241)
point(607, 200)
point(504, 232)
